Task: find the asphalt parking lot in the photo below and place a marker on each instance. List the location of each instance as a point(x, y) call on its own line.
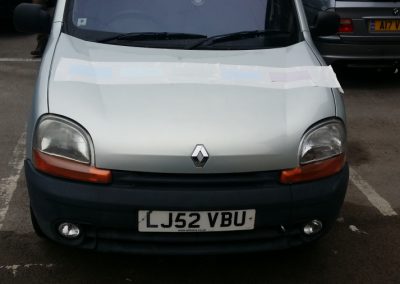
point(363, 247)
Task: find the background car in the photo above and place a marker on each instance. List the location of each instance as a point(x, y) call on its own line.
point(7, 7)
point(369, 32)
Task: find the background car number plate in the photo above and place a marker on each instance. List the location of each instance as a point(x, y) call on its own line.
point(203, 221)
point(385, 25)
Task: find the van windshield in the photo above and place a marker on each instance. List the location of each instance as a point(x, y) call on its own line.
point(185, 24)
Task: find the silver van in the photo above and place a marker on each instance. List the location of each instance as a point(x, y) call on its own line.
point(184, 127)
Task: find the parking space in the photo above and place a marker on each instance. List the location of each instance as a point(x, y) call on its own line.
point(363, 247)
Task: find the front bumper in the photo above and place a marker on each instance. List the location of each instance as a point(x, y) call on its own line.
point(108, 214)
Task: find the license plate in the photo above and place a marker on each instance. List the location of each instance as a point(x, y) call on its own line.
point(203, 221)
point(385, 26)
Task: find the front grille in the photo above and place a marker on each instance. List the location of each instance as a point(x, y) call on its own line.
point(128, 241)
point(209, 237)
point(237, 181)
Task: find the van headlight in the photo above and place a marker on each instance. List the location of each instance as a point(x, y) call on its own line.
point(321, 153)
point(64, 149)
point(323, 142)
point(61, 138)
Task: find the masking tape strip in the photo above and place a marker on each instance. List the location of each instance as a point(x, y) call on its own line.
point(152, 73)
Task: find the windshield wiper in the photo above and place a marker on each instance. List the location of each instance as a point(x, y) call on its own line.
point(150, 36)
point(235, 36)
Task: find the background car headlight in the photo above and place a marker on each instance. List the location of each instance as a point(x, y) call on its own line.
point(322, 153)
point(63, 149)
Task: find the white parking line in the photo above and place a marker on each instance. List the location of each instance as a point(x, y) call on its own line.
point(20, 59)
point(8, 185)
point(376, 200)
point(14, 267)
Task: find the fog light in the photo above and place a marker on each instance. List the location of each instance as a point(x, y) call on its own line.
point(69, 230)
point(313, 227)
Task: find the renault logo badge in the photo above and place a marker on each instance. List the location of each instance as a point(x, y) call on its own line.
point(396, 11)
point(200, 156)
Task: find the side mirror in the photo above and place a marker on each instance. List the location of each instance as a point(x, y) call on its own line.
point(31, 18)
point(326, 24)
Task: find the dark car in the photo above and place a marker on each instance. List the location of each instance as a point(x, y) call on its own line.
point(369, 32)
point(7, 7)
